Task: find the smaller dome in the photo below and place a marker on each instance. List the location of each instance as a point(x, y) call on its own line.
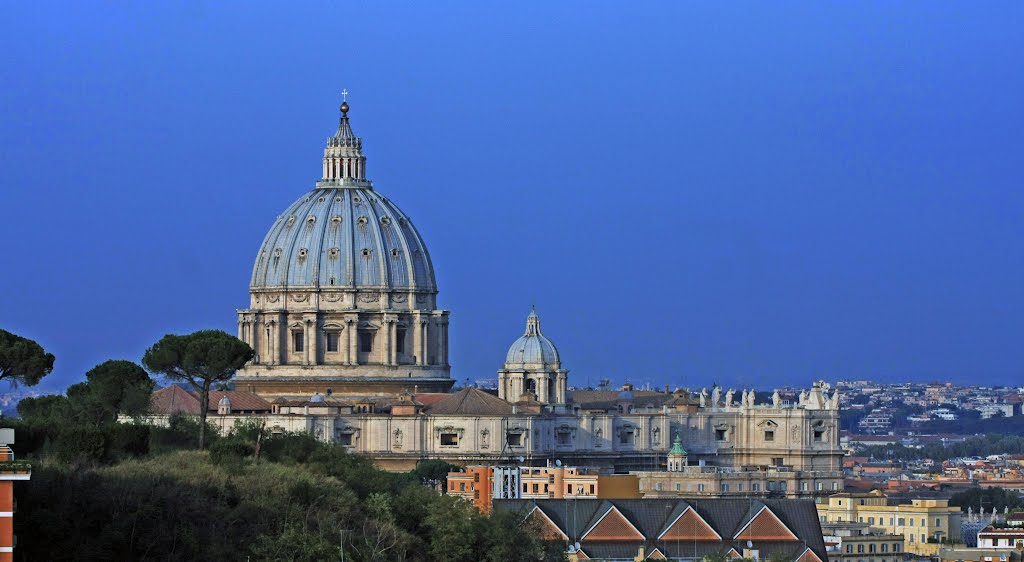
point(316, 398)
point(625, 395)
point(225, 401)
point(532, 348)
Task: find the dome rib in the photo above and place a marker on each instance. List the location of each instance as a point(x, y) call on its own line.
point(314, 268)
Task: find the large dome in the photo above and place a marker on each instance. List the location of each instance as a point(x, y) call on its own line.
point(346, 237)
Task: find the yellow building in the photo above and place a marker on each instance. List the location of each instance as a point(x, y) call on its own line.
point(924, 523)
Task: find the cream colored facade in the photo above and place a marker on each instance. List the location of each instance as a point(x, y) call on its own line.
point(924, 523)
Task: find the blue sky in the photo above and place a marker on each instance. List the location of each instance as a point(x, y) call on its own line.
point(753, 194)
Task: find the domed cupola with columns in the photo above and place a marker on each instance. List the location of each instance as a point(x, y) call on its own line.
point(532, 365)
point(343, 295)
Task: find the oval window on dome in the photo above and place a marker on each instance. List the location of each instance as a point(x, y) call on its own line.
point(357, 200)
point(366, 252)
point(320, 200)
point(395, 252)
point(310, 220)
point(337, 199)
point(362, 221)
point(336, 220)
point(302, 252)
point(333, 252)
point(385, 221)
point(291, 220)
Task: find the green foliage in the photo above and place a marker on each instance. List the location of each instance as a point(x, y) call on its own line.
point(987, 498)
point(186, 505)
point(200, 359)
point(45, 410)
point(114, 387)
point(23, 361)
point(434, 473)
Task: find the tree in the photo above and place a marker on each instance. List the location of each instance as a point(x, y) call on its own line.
point(23, 361)
point(200, 359)
point(112, 387)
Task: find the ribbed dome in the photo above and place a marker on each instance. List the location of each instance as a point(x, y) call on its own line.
point(343, 237)
point(532, 348)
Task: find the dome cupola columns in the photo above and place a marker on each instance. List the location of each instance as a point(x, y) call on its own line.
point(344, 162)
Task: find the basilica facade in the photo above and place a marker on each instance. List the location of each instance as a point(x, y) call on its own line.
point(352, 347)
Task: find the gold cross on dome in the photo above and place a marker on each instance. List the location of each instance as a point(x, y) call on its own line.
point(344, 95)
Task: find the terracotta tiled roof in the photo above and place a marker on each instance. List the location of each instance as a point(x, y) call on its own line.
point(470, 401)
point(431, 398)
point(240, 400)
point(173, 399)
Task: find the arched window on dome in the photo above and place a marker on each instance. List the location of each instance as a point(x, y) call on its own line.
point(530, 385)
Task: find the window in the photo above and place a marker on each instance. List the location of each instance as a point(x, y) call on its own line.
point(700, 487)
point(871, 548)
point(515, 439)
point(536, 488)
point(938, 522)
point(626, 437)
point(449, 439)
point(819, 486)
point(777, 461)
point(755, 487)
point(657, 486)
point(835, 486)
point(911, 521)
point(568, 488)
point(885, 547)
point(563, 438)
point(591, 488)
point(345, 439)
point(679, 487)
point(400, 340)
point(769, 435)
point(892, 521)
point(860, 548)
point(725, 487)
point(849, 548)
point(923, 539)
point(739, 487)
point(298, 341)
point(365, 341)
point(871, 520)
point(462, 486)
point(901, 521)
point(719, 435)
point(805, 486)
point(895, 547)
point(818, 435)
point(333, 338)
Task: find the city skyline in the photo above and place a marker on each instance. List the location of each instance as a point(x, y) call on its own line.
point(682, 212)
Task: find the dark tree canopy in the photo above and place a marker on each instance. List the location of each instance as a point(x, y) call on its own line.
point(111, 388)
point(200, 359)
point(23, 361)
